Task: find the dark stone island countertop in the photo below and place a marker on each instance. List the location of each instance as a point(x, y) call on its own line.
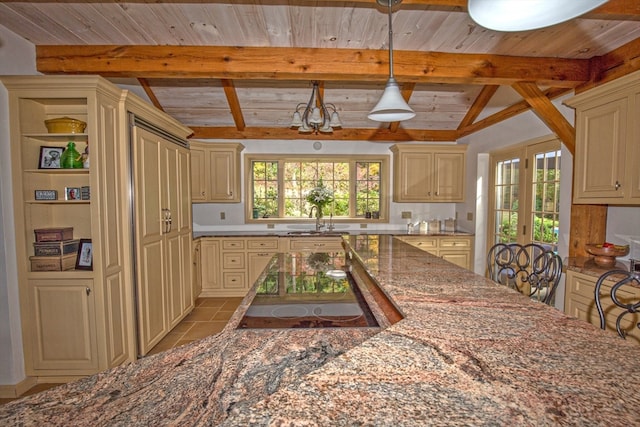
point(468, 352)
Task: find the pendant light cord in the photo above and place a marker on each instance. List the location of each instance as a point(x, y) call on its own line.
point(390, 41)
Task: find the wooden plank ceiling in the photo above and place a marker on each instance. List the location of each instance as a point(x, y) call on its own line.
point(231, 69)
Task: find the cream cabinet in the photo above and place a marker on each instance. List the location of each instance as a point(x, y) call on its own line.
point(215, 172)
point(81, 321)
point(455, 249)
point(78, 321)
point(428, 173)
point(231, 265)
point(607, 151)
point(315, 244)
point(163, 235)
point(210, 267)
point(580, 302)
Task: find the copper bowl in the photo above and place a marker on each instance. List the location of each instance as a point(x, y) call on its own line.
point(65, 125)
point(606, 256)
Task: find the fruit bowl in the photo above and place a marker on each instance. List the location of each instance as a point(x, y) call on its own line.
point(605, 256)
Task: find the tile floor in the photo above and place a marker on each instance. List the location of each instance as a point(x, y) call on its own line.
point(209, 316)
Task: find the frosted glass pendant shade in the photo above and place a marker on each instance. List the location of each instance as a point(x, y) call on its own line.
point(315, 116)
point(392, 107)
point(523, 15)
point(335, 120)
point(297, 120)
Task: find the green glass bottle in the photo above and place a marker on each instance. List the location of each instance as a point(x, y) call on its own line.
point(70, 158)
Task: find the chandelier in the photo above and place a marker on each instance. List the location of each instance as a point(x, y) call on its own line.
point(315, 116)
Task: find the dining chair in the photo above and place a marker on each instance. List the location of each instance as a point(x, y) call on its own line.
point(531, 269)
point(622, 297)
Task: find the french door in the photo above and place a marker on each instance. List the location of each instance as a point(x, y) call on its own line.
point(525, 201)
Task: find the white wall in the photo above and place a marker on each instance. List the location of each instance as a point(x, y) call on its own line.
point(524, 127)
point(206, 216)
point(17, 56)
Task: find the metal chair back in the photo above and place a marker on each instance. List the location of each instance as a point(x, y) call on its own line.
point(531, 269)
point(626, 302)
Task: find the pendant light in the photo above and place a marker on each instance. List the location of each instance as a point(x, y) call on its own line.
point(391, 107)
point(519, 15)
point(315, 115)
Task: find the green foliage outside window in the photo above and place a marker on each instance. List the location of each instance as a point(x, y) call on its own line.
point(281, 187)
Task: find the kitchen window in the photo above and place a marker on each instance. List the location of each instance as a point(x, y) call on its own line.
point(277, 186)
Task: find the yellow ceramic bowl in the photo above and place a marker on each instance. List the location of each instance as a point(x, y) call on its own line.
point(65, 125)
point(606, 257)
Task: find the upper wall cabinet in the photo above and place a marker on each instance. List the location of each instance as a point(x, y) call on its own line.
point(215, 172)
point(428, 173)
point(607, 147)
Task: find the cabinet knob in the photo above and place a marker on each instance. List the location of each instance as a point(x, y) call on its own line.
point(88, 290)
point(617, 185)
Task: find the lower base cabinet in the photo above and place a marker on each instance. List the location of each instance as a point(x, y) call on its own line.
point(457, 250)
point(580, 303)
point(64, 316)
point(230, 266)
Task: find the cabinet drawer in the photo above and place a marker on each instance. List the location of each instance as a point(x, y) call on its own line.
point(233, 260)
point(463, 243)
point(234, 280)
point(233, 244)
point(260, 244)
point(315, 244)
point(421, 242)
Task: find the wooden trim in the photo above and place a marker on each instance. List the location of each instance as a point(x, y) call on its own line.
point(16, 390)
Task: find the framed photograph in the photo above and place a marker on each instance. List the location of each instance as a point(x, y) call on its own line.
point(85, 193)
point(50, 157)
point(46, 195)
point(84, 261)
point(72, 193)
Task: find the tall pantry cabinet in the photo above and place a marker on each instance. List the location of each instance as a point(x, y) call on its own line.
point(77, 322)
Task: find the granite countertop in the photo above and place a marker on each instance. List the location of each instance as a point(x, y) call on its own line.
point(587, 265)
point(295, 233)
point(468, 352)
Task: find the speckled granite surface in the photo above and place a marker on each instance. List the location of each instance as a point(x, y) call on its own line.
point(468, 352)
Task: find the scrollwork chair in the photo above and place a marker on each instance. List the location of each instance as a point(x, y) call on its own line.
point(627, 304)
point(530, 269)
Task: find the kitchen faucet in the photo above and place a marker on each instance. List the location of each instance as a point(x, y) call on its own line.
point(318, 225)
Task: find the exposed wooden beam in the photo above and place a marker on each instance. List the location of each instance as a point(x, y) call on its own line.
point(548, 113)
point(478, 105)
point(379, 135)
point(508, 112)
point(303, 64)
point(152, 96)
point(234, 103)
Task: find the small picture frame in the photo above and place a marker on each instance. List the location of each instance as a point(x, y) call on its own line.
point(50, 157)
point(72, 193)
point(85, 193)
point(46, 195)
point(84, 261)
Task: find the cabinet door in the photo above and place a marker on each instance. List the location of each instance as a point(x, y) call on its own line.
point(413, 177)
point(222, 176)
point(459, 258)
point(197, 270)
point(210, 263)
point(633, 157)
point(63, 331)
point(199, 178)
point(257, 261)
point(151, 226)
point(449, 172)
point(600, 153)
